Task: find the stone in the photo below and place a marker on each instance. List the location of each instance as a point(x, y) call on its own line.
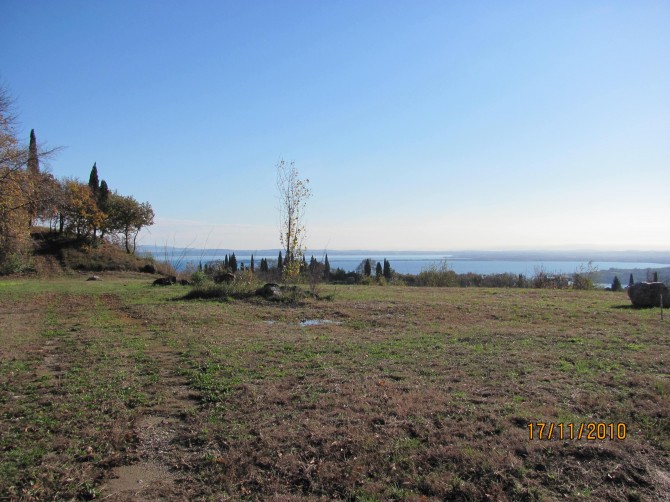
point(270, 291)
point(165, 281)
point(148, 269)
point(227, 277)
point(648, 294)
point(94, 278)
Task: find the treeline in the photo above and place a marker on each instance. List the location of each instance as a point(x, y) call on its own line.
point(29, 196)
point(268, 270)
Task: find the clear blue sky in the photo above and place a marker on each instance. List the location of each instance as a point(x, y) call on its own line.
point(430, 125)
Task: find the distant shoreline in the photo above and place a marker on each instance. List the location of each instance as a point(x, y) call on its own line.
point(659, 257)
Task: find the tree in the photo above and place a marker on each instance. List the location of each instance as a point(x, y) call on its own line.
point(103, 196)
point(616, 284)
point(379, 271)
point(367, 270)
point(293, 195)
point(33, 164)
point(655, 276)
point(79, 211)
point(280, 263)
point(14, 199)
point(51, 199)
point(387, 270)
point(33, 174)
point(326, 268)
point(127, 217)
point(251, 265)
point(232, 261)
point(93, 181)
point(631, 281)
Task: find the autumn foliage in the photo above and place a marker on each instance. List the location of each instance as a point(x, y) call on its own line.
point(30, 195)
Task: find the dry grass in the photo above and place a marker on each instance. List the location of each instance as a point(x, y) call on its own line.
point(409, 394)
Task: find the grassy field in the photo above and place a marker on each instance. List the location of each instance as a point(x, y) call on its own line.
point(122, 391)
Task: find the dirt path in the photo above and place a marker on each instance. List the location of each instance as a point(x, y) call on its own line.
point(162, 429)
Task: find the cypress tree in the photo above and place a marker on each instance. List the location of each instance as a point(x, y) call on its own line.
point(252, 263)
point(367, 269)
point(655, 276)
point(378, 270)
point(93, 180)
point(33, 159)
point(103, 196)
point(280, 263)
point(326, 269)
point(233, 263)
point(616, 284)
point(387, 270)
point(631, 281)
point(226, 262)
point(33, 168)
point(103, 203)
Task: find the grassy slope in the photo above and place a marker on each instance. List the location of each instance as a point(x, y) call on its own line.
point(55, 254)
point(413, 394)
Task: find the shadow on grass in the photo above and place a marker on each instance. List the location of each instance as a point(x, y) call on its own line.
point(229, 292)
point(631, 307)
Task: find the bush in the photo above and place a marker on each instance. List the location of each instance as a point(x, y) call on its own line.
point(15, 263)
point(199, 278)
point(544, 280)
point(584, 276)
point(438, 275)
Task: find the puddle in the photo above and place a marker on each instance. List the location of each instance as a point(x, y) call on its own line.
point(317, 322)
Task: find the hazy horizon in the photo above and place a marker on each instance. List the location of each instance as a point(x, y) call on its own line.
point(420, 125)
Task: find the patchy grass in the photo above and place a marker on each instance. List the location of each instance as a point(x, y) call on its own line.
point(412, 394)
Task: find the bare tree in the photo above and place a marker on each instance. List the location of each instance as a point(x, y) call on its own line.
point(293, 195)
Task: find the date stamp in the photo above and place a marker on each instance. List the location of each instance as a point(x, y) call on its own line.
point(589, 431)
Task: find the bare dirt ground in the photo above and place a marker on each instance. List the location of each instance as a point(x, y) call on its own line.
point(116, 390)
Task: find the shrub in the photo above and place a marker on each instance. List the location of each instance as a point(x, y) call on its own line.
point(15, 263)
point(544, 280)
point(438, 275)
point(199, 278)
point(584, 276)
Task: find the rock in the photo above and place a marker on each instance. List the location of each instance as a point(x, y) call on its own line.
point(648, 294)
point(165, 281)
point(227, 277)
point(148, 269)
point(94, 278)
point(184, 282)
point(270, 291)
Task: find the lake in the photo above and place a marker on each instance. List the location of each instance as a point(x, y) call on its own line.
point(415, 263)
